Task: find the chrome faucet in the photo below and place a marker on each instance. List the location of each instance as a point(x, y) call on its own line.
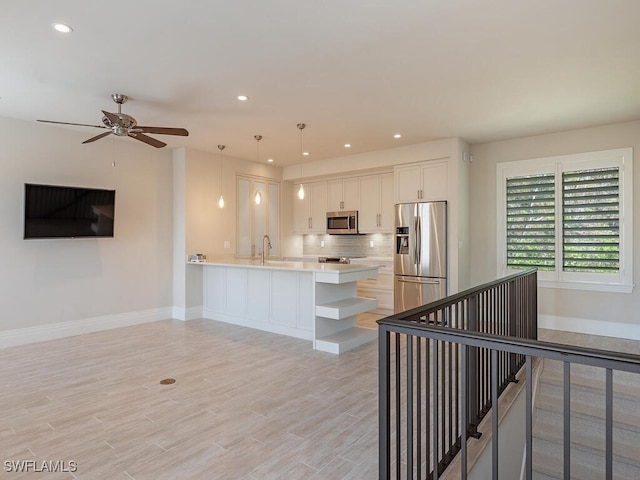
point(263, 248)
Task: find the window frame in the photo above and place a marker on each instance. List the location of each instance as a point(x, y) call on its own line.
point(622, 158)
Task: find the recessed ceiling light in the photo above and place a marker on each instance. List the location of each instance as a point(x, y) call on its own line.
point(243, 98)
point(306, 154)
point(270, 160)
point(347, 145)
point(397, 135)
point(62, 28)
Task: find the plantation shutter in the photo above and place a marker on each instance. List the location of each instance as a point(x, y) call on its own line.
point(591, 221)
point(531, 221)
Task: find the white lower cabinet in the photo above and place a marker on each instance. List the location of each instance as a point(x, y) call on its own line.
point(320, 305)
point(305, 318)
point(284, 309)
point(236, 287)
point(258, 294)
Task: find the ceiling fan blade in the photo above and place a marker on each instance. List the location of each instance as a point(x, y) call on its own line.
point(163, 130)
point(76, 124)
point(148, 140)
point(112, 117)
point(97, 137)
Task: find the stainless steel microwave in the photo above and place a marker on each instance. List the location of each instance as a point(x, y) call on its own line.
point(342, 223)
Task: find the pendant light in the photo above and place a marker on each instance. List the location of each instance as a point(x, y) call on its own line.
point(301, 189)
point(258, 196)
point(221, 199)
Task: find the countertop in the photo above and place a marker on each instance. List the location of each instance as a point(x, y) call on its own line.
point(287, 265)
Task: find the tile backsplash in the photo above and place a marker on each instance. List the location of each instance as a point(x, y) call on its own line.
point(348, 245)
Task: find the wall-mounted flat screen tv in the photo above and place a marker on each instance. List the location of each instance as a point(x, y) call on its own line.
point(52, 211)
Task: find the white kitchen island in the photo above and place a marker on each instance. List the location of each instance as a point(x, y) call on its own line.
point(312, 301)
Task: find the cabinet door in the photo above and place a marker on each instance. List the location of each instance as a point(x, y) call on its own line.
point(368, 218)
point(301, 211)
point(408, 183)
point(259, 215)
point(434, 182)
point(351, 194)
point(273, 218)
point(334, 195)
point(386, 221)
point(318, 194)
point(244, 218)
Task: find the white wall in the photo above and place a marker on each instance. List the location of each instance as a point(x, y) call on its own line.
point(612, 314)
point(201, 226)
point(45, 282)
point(439, 149)
point(207, 226)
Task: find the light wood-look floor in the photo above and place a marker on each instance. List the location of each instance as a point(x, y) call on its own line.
point(246, 405)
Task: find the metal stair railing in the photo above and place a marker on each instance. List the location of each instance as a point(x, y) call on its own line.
point(443, 366)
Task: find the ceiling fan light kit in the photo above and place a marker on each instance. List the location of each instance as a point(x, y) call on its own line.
point(123, 125)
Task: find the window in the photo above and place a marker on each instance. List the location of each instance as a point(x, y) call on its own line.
point(569, 216)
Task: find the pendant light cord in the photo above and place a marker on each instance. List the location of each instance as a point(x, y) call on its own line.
point(301, 127)
point(221, 199)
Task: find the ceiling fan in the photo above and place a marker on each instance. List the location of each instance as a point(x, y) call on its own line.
point(122, 125)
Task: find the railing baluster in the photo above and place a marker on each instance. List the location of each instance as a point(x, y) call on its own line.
point(398, 409)
point(443, 415)
point(428, 400)
point(567, 420)
point(409, 371)
point(529, 419)
point(494, 413)
point(435, 410)
point(609, 424)
point(457, 378)
point(419, 407)
point(384, 401)
point(451, 401)
point(473, 405)
point(511, 306)
point(463, 413)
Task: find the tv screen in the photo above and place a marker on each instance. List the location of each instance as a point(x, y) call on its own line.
point(52, 211)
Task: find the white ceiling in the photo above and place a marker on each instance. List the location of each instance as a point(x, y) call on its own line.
point(354, 72)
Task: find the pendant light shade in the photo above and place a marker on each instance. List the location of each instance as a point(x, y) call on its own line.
point(258, 196)
point(301, 127)
point(221, 199)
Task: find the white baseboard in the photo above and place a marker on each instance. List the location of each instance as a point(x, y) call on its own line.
point(23, 336)
point(590, 327)
point(189, 313)
point(264, 326)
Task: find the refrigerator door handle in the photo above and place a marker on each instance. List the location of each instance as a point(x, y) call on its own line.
point(416, 251)
point(419, 240)
point(428, 282)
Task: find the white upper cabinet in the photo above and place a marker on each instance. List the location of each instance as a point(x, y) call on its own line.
point(310, 213)
point(387, 210)
point(421, 182)
point(343, 194)
point(376, 203)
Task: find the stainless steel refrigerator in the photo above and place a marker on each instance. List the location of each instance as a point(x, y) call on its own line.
point(420, 259)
